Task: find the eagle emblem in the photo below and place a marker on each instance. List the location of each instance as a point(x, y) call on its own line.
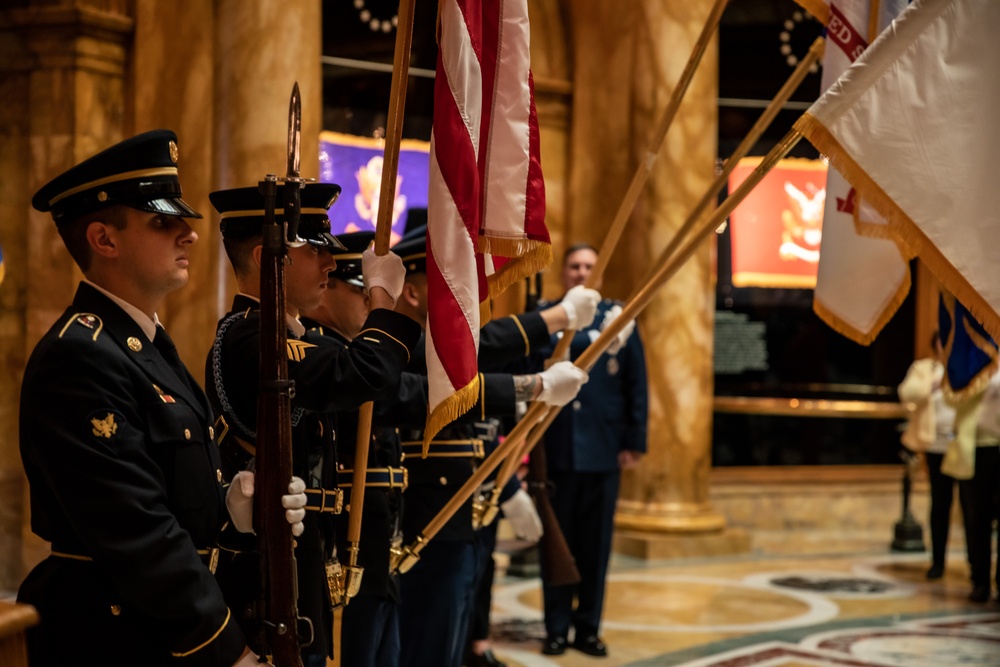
point(104, 428)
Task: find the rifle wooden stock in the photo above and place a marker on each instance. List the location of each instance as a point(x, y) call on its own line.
point(558, 565)
point(662, 272)
point(278, 608)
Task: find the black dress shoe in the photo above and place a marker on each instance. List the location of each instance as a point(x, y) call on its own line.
point(935, 572)
point(591, 645)
point(979, 594)
point(554, 645)
point(484, 659)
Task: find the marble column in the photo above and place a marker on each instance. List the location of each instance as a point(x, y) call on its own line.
point(627, 59)
point(170, 85)
point(62, 73)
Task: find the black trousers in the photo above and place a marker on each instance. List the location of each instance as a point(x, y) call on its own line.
point(584, 504)
point(983, 493)
point(942, 497)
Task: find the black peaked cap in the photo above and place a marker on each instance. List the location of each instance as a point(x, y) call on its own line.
point(140, 172)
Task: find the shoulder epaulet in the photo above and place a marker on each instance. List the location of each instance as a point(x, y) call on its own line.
point(85, 320)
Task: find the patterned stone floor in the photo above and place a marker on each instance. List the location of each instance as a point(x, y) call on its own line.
point(825, 607)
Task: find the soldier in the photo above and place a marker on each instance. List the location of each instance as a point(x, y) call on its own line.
point(587, 445)
point(327, 378)
point(438, 591)
point(116, 435)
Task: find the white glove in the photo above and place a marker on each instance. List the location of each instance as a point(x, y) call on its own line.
point(295, 503)
point(561, 382)
point(239, 501)
point(619, 342)
point(580, 304)
point(520, 511)
point(385, 271)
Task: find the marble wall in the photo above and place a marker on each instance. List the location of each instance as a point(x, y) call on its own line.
point(79, 76)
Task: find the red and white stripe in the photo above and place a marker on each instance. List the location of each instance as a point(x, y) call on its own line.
point(486, 192)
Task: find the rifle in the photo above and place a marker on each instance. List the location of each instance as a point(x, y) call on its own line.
point(558, 564)
point(278, 603)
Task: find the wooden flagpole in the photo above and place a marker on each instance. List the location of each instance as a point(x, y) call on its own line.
point(383, 229)
point(409, 555)
point(617, 228)
point(763, 122)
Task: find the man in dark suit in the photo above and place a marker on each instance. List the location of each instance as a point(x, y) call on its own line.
point(116, 436)
point(327, 379)
point(592, 439)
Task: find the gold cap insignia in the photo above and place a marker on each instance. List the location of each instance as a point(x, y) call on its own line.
point(104, 428)
point(174, 153)
point(134, 344)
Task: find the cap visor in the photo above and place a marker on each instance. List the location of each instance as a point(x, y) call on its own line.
point(166, 206)
point(328, 240)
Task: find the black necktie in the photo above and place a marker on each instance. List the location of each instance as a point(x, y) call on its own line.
point(167, 349)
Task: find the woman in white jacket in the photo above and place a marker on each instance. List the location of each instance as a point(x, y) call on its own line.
point(931, 427)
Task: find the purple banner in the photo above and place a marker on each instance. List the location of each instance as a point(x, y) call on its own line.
point(355, 164)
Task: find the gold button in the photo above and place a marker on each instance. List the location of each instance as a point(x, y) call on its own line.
point(211, 433)
point(187, 434)
point(116, 610)
point(134, 344)
point(444, 481)
point(218, 475)
point(102, 196)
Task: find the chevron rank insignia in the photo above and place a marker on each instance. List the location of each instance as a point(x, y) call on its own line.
point(297, 350)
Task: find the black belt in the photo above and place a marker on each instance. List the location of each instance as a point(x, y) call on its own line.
point(325, 500)
point(387, 478)
point(465, 449)
point(209, 556)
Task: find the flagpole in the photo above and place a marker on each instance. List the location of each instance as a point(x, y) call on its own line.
point(763, 122)
point(489, 511)
point(409, 554)
point(383, 230)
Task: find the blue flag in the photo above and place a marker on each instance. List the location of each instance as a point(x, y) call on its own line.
point(970, 352)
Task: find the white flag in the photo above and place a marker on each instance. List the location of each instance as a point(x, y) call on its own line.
point(863, 277)
point(913, 125)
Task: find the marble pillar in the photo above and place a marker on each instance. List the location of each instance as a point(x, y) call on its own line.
point(170, 85)
point(62, 77)
point(627, 58)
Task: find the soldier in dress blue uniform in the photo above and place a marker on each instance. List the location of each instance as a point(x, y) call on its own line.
point(370, 623)
point(116, 436)
point(438, 591)
point(601, 432)
point(327, 379)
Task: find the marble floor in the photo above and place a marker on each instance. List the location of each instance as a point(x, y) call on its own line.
point(809, 600)
point(819, 601)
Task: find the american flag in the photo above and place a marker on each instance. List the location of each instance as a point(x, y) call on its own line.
point(486, 200)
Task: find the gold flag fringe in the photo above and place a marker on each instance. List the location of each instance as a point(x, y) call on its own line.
point(485, 312)
point(844, 328)
point(899, 222)
point(449, 410)
point(528, 257)
point(817, 8)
